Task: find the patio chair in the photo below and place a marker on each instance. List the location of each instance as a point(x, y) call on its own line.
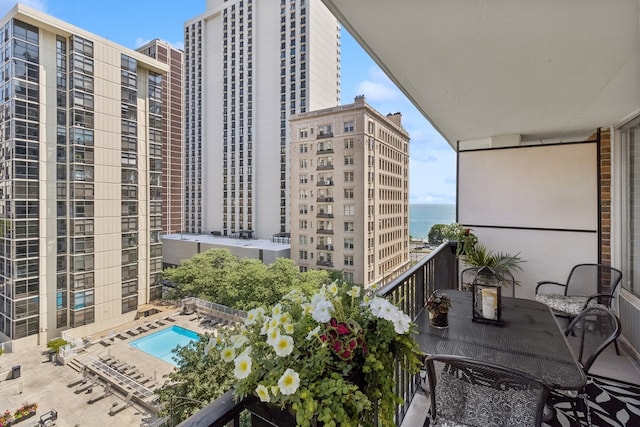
point(587, 284)
point(474, 393)
point(592, 331)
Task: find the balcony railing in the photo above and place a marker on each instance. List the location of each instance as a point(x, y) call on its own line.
point(324, 215)
point(438, 270)
point(324, 231)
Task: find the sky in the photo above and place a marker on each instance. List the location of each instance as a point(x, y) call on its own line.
point(131, 23)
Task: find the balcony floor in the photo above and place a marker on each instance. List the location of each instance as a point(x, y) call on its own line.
point(623, 367)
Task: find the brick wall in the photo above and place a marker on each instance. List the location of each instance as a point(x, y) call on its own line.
point(605, 194)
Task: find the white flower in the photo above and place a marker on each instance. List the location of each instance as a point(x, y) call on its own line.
point(389, 312)
point(263, 393)
point(333, 289)
point(210, 345)
point(276, 311)
point(239, 340)
point(289, 382)
point(376, 306)
point(273, 323)
point(283, 345)
point(289, 328)
point(307, 309)
point(322, 311)
point(272, 336)
point(242, 366)
point(254, 316)
point(247, 351)
point(401, 323)
point(354, 292)
point(228, 354)
point(313, 333)
point(317, 298)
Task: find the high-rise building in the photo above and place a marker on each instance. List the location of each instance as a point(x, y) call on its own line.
point(172, 133)
point(81, 158)
point(350, 192)
point(249, 66)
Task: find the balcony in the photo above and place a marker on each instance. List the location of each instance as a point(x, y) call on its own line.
point(322, 135)
point(325, 167)
point(438, 270)
point(322, 199)
point(321, 151)
point(324, 231)
point(325, 182)
point(324, 263)
point(322, 214)
point(321, 247)
point(409, 291)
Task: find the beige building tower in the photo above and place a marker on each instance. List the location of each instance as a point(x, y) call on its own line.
point(249, 66)
point(350, 192)
point(172, 133)
point(81, 211)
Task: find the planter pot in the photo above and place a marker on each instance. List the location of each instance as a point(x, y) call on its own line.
point(439, 320)
point(23, 418)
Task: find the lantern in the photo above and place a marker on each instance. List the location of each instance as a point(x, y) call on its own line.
point(487, 302)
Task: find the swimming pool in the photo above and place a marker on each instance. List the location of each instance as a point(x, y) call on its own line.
point(159, 344)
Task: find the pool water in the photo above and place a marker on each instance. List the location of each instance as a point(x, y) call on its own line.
point(159, 344)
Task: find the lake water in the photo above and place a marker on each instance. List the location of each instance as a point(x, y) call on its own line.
point(423, 217)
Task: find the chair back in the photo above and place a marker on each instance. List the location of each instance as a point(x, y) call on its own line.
point(476, 393)
point(592, 330)
point(590, 279)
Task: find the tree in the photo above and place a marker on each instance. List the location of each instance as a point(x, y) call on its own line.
point(200, 377)
point(437, 233)
point(219, 276)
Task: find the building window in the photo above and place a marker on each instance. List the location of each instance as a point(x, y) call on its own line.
point(348, 243)
point(348, 193)
point(349, 210)
point(348, 177)
point(631, 184)
point(348, 260)
point(348, 226)
point(349, 126)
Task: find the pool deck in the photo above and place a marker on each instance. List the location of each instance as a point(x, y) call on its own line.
point(57, 386)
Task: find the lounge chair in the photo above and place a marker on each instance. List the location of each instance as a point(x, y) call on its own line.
point(170, 319)
point(150, 325)
point(161, 322)
point(132, 332)
point(106, 341)
point(143, 328)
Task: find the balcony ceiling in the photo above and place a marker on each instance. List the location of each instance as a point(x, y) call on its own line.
point(483, 68)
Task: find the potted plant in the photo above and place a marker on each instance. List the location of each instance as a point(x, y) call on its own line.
point(6, 418)
point(438, 305)
point(503, 265)
point(27, 410)
point(329, 359)
point(460, 238)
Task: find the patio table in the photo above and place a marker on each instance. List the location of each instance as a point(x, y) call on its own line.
point(529, 340)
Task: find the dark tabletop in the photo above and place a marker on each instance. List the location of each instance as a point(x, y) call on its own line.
point(529, 340)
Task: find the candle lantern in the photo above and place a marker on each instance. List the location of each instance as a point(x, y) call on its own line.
point(487, 302)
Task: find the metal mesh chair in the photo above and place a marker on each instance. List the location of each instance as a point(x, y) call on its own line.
point(587, 284)
point(591, 332)
point(473, 393)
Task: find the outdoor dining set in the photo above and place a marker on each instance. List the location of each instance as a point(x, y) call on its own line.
point(488, 373)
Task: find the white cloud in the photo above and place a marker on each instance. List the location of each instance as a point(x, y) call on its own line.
point(378, 88)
